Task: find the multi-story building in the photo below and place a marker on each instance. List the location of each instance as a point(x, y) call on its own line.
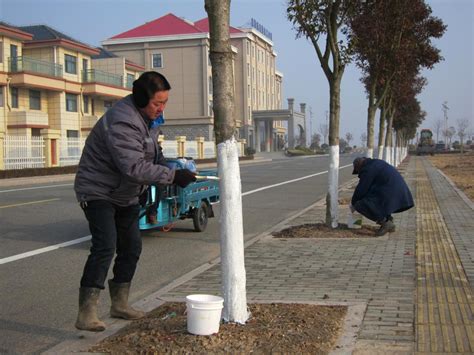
point(54, 86)
point(179, 49)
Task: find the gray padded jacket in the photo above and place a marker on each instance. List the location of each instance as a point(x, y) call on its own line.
point(119, 158)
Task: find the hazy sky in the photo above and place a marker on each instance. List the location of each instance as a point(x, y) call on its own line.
point(92, 21)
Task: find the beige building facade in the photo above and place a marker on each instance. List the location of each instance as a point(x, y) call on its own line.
point(54, 86)
point(179, 49)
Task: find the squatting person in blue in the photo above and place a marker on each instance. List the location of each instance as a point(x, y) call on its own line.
point(381, 191)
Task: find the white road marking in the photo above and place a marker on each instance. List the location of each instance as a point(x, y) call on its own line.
point(87, 238)
point(35, 188)
point(29, 203)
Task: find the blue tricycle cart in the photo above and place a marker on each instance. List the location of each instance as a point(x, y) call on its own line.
point(175, 203)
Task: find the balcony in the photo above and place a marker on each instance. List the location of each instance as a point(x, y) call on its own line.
point(30, 118)
point(102, 77)
point(25, 64)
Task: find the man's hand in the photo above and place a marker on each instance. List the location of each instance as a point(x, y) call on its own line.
point(183, 177)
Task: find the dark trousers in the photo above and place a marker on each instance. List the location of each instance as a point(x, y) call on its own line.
point(114, 229)
point(370, 209)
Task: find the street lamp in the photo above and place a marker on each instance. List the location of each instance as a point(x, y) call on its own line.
point(445, 110)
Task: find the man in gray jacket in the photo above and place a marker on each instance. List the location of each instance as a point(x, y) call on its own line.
point(119, 159)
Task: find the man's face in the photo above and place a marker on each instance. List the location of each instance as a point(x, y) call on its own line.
point(156, 105)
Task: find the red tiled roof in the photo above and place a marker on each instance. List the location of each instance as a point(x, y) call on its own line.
point(169, 25)
point(164, 26)
point(203, 25)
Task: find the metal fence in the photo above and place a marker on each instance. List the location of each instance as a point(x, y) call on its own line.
point(71, 149)
point(22, 152)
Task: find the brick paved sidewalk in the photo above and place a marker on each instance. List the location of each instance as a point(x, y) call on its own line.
point(381, 272)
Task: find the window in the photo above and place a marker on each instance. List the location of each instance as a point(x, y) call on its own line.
point(70, 64)
point(14, 95)
point(85, 103)
point(130, 80)
point(72, 133)
point(36, 132)
point(210, 85)
point(1, 96)
point(1, 52)
point(71, 102)
point(157, 60)
point(85, 64)
point(35, 100)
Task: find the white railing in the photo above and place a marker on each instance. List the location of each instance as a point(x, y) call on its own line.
point(209, 150)
point(22, 152)
point(71, 149)
point(191, 149)
point(170, 149)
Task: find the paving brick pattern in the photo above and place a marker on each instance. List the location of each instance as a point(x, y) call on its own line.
point(444, 304)
point(418, 300)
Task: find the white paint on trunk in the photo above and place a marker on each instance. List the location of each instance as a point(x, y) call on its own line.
point(370, 153)
point(380, 152)
point(231, 234)
point(388, 154)
point(333, 180)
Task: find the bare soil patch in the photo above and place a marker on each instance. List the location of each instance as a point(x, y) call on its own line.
point(459, 168)
point(272, 328)
point(321, 230)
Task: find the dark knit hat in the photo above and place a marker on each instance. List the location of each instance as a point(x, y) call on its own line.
point(358, 162)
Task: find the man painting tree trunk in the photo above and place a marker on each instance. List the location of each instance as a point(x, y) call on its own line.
point(231, 222)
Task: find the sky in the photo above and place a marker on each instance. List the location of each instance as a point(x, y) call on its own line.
point(451, 81)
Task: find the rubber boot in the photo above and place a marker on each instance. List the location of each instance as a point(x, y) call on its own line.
point(87, 316)
point(119, 296)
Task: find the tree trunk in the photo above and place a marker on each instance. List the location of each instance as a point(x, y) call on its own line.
point(332, 210)
point(381, 132)
point(388, 141)
point(230, 221)
point(371, 110)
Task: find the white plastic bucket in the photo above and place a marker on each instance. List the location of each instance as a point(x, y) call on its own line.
point(203, 314)
point(354, 219)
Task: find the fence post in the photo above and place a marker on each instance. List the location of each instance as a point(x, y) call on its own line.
point(2, 139)
point(242, 146)
point(200, 147)
point(181, 142)
point(51, 146)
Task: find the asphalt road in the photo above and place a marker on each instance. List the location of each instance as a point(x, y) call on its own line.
point(38, 295)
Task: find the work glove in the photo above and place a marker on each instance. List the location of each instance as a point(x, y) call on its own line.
point(183, 177)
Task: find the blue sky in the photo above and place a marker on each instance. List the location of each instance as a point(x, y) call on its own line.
point(92, 21)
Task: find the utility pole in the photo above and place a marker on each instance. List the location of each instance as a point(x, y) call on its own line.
point(445, 111)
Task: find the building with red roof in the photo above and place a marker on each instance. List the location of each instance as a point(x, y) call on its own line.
point(179, 49)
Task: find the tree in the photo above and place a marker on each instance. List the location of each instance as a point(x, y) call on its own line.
point(349, 138)
point(437, 127)
point(324, 130)
point(323, 21)
point(463, 125)
point(363, 139)
point(315, 141)
point(388, 35)
point(230, 186)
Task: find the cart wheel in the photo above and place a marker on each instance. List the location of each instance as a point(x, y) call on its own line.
point(200, 217)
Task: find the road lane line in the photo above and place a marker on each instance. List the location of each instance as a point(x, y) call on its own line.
point(29, 203)
point(84, 239)
point(289, 181)
point(35, 188)
point(43, 250)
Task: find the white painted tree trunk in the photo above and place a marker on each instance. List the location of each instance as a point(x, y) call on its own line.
point(380, 152)
point(388, 154)
point(370, 153)
point(333, 180)
point(232, 234)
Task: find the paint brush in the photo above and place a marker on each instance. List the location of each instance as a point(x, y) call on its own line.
point(203, 177)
